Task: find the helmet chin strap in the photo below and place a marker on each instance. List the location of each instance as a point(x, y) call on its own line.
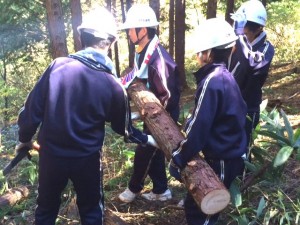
point(137, 35)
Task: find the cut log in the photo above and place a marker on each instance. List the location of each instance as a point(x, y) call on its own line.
point(199, 178)
point(13, 196)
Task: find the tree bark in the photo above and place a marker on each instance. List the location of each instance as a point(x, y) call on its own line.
point(201, 181)
point(180, 28)
point(211, 11)
point(229, 9)
point(171, 28)
point(56, 28)
point(76, 13)
point(13, 196)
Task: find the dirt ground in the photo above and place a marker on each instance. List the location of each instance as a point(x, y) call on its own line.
point(282, 90)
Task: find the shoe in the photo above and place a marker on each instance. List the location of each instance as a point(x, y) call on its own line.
point(158, 197)
point(127, 196)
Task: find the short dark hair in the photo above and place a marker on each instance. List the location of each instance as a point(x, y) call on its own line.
point(151, 32)
point(89, 40)
point(221, 55)
point(253, 27)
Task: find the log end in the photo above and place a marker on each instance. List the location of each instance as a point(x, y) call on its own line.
point(215, 201)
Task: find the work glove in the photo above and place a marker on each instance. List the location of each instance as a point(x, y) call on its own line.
point(174, 171)
point(240, 21)
point(151, 141)
point(135, 115)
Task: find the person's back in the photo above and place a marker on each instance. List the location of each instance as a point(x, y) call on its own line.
point(84, 99)
point(216, 126)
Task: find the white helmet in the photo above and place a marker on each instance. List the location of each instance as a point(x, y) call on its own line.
point(100, 23)
point(254, 11)
point(214, 33)
point(140, 16)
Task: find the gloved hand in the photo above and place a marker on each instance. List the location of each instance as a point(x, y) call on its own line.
point(174, 171)
point(134, 135)
point(151, 141)
point(135, 115)
point(240, 21)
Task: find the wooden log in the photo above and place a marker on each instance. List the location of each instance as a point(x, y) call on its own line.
point(13, 196)
point(199, 178)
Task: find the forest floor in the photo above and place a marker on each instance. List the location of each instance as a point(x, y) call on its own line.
point(282, 90)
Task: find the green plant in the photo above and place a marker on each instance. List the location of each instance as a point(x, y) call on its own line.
point(261, 197)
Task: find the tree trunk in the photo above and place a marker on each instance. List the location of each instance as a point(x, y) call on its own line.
point(56, 28)
point(211, 11)
point(171, 28)
point(229, 9)
point(201, 181)
point(13, 196)
point(131, 47)
point(155, 5)
point(180, 40)
point(76, 13)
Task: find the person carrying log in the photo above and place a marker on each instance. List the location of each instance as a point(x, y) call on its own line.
point(156, 68)
point(216, 126)
point(70, 104)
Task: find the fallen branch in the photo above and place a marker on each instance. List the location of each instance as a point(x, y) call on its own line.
point(13, 196)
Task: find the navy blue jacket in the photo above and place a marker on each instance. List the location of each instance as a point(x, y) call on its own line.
point(167, 92)
point(250, 65)
point(216, 126)
point(71, 103)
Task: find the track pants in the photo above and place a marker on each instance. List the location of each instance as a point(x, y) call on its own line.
point(54, 173)
point(150, 161)
point(227, 170)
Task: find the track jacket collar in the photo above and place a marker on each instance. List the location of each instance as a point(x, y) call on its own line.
point(95, 60)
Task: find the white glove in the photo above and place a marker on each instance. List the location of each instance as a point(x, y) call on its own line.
point(151, 141)
point(135, 115)
point(240, 21)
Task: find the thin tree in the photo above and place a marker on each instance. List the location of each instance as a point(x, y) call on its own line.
point(180, 40)
point(76, 14)
point(229, 9)
point(171, 28)
point(155, 5)
point(56, 28)
point(211, 10)
point(125, 7)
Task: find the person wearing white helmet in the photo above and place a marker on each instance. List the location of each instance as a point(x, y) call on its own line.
point(251, 59)
point(216, 127)
point(156, 68)
point(70, 105)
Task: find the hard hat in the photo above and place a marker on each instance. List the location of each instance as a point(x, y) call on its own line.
point(254, 11)
point(100, 23)
point(140, 16)
point(214, 33)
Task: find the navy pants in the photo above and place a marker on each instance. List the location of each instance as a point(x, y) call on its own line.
point(85, 174)
point(150, 161)
point(232, 168)
point(251, 123)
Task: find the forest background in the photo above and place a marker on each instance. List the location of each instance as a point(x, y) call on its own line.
point(34, 32)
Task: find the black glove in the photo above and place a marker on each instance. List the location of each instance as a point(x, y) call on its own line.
point(134, 135)
point(174, 171)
